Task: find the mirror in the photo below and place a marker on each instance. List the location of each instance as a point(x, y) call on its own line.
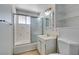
point(47, 23)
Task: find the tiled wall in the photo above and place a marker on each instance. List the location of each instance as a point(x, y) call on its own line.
point(67, 22)
point(67, 15)
point(36, 28)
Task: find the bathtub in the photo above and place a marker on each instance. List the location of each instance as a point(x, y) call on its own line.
point(68, 41)
point(20, 47)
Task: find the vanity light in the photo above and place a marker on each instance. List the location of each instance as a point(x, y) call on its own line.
point(48, 11)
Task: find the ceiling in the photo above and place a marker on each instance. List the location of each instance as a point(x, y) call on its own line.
point(34, 7)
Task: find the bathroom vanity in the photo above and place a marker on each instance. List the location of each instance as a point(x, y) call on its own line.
point(46, 44)
point(47, 41)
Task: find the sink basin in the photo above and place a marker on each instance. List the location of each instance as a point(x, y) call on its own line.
point(45, 37)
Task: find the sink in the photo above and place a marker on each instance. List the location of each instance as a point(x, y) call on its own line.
point(46, 37)
point(52, 35)
point(46, 44)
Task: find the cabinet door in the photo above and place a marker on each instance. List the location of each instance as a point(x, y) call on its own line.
point(43, 47)
point(39, 46)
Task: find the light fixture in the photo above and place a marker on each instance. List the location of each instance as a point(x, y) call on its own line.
point(48, 11)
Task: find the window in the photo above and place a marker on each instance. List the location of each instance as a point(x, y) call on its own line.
point(28, 20)
point(21, 19)
point(24, 19)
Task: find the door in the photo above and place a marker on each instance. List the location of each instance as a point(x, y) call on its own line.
point(6, 30)
point(6, 39)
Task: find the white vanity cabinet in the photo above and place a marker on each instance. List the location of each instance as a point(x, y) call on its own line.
point(46, 44)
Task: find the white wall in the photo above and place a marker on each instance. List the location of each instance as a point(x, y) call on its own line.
point(67, 21)
point(69, 34)
point(26, 12)
point(67, 15)
point(6, 12)
point(6, 30)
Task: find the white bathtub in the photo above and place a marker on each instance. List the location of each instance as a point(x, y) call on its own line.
point(68, 41)
point(24, 47)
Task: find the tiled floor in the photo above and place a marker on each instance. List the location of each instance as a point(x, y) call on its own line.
point(34, 52)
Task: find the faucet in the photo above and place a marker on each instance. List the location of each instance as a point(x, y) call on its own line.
point(48, 34)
